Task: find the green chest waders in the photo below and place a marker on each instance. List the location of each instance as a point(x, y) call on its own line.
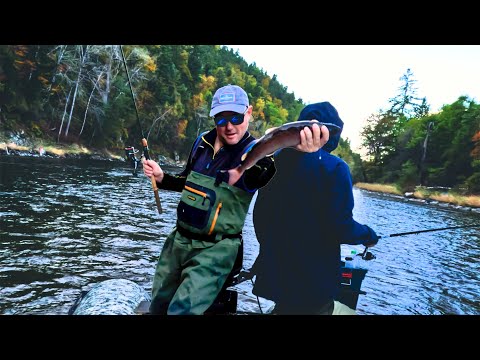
point(212, 211)
point(198, 257)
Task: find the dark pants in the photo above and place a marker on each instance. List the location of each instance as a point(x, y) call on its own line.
point(190, 274)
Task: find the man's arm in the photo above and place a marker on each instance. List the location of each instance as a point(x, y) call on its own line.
point(173, 182)
point(260, 174)
point(310, 141)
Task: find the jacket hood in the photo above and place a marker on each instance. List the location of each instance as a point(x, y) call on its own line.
point(324, 112)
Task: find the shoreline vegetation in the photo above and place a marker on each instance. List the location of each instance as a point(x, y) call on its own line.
point(433, 195)
point(423, 194)
point(73, 151)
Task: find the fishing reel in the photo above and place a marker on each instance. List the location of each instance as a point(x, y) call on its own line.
point(367, 255)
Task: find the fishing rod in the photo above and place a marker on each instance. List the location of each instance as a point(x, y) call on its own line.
point(428, 230)
point(144, 140)
point(364, 254)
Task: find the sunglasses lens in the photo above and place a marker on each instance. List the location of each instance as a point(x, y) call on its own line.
point(235, 119)
point(221, 121)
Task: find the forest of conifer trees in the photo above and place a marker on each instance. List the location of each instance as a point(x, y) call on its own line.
point(79, 94)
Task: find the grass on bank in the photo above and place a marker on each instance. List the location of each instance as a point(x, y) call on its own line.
point(450, 196)
point(56, 149)
point(389, 189)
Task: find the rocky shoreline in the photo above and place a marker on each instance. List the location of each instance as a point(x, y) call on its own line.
point(48, 154)
point(105, 155)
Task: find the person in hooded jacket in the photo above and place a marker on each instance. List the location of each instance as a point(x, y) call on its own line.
point(301, 217)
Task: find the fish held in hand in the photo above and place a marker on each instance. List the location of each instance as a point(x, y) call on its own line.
point(287, 135)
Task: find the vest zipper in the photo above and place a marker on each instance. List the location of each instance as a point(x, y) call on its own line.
point(204, 195)
point(217, 212)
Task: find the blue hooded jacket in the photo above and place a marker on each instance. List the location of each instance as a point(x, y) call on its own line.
point(301, 217)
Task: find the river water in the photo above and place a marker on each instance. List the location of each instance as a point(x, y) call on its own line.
point(67, 224)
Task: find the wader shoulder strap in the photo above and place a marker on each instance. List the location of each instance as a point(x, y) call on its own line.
point(195, 147)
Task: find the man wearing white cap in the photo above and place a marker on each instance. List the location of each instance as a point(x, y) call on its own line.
point(200, 253)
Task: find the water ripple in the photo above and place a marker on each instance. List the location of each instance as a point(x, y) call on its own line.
point(67, 225)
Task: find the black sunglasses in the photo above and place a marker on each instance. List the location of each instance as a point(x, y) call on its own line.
point(235, 119)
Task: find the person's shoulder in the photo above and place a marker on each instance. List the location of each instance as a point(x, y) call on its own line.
point(248, 137)
point(200, 138)
point(246, 142)
point(331, 157)
point(341, 166)
point(340, 161)
point(330, 161)
point(204, 134)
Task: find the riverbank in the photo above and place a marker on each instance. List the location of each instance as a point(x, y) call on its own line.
point(73, 151)
point(435, 196)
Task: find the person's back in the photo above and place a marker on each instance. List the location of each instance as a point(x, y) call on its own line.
point(301, 217)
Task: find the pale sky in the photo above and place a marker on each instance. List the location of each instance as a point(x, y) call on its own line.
point(359, 79)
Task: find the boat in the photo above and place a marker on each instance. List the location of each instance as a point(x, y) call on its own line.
point(125, 297)
point(110, 297)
